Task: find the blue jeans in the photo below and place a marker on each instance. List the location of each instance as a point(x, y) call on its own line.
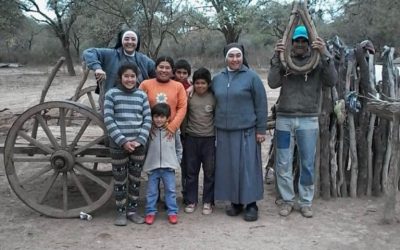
point(167, 175)
point(304, 132)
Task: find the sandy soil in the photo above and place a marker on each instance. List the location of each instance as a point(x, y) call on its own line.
point(338, 224)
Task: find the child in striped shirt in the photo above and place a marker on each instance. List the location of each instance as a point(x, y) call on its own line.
point(127, 117)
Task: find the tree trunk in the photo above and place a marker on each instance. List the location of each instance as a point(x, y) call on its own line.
point(68, 57)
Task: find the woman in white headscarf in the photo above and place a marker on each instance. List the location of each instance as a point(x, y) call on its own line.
point(240, 121)
point(105, 62)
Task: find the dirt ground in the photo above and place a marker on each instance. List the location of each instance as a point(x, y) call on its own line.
point(342, 223)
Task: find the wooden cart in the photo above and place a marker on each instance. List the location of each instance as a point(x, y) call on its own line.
point(55, 156)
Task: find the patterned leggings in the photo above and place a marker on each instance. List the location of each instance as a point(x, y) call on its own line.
point(126, 168)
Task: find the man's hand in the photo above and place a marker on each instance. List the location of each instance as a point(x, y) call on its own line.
point(320, 45)
point(279, 46)
point(100, 74)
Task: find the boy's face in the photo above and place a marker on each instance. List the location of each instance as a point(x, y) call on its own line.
point(159, 120)
point(181, 75)
point(200, 86)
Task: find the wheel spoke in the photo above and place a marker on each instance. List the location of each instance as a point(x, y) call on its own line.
point(63, 131)
point(93, 159)
point(81, 149)
point(81, 188)
point(48, 185)
point(37, 175)
point(65, 191)
point(47, 130)
point(35, 142)
point(32, 159)
point(91, 100)
point(80, 133)
point(91, 176)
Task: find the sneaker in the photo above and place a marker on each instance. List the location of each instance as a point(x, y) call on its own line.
point(120, 220)
point(306, 212)
point(207, 209)
point(135, 218)
point(285, 209)
point(190, 208)
point(173, 218)
point(150, 219)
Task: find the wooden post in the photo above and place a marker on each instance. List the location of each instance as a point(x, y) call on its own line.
point(390, 203)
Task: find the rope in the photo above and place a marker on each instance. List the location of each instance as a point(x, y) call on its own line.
point(299, 15)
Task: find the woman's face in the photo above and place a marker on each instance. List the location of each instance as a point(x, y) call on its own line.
point(129, 43)
point(164, 71)
point(234, 60)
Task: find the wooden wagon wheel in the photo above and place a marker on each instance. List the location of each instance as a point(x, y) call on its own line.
point(86, 97)
point(47, 171)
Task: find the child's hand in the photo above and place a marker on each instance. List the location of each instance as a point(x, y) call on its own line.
point(129, 146)
point(189, 91)
point(136, 144)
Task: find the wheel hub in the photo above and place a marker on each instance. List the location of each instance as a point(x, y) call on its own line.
point(62, 160)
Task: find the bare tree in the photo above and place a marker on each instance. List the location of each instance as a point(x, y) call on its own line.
point(65, 13)
point(231, 17)
point(154, 19)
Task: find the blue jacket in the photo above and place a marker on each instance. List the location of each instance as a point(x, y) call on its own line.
point(241, 100)
point(110, 60)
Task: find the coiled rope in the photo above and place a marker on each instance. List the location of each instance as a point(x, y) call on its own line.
point(299, 15)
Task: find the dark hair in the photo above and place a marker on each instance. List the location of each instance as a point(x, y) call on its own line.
point(165, 59)
point(161, 108)
point(202, 73)
point(125, 67)
point(183, 64)
point(118, 43)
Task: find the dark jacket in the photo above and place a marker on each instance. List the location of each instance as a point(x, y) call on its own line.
point(301, 93)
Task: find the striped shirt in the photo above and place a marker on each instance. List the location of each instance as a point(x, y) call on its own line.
point(127, 115)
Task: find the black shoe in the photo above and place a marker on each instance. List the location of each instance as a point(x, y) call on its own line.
point(251, 213)
point(234, 209)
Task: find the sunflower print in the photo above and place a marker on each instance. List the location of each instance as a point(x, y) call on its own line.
point(161, 98)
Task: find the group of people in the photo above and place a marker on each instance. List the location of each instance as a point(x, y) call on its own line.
point(158, 121)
